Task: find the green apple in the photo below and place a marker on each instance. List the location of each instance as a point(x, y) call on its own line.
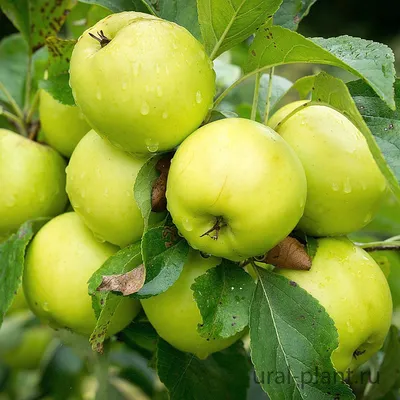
point(32, 181)
point(354, 292)
point(175, 316)
point(146, 86)
point(63, 125)
point(59, 262)
point(235, 189)
point(29, 349)
point(283, 112)
point(344, 184)
point(100, 181)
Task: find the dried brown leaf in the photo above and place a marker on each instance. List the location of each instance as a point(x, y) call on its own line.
point(158, 198)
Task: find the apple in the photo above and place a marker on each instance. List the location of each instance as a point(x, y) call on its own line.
point(100, 181)
point(344, 184)
point(235, 189)
point(283, 112)
point(32, 181)
point(63, 125)
point(352, 288)
point(175, 316)
point(29, 349)
point(142, 82)
point(59, 262)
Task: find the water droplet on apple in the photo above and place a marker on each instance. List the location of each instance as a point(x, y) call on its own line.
point(136, 68)
point(124, 85)
point(174, 45)
point(335, 187)
point(83, 194)
point(202, 55)
point(165, 115)
point(45, 306)
point(367, 218)
point(350, 328)
point(157, 68)
point(199, 97)
point(159, 91)
point(98, 237)
point(187, 224)
point(152, 145)
point(98, 95)
point(347, 186)
point(145, 109)
point(167, 70)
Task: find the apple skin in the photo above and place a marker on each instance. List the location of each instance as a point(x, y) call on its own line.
point(245, 173)
point(32, 180)
point(100, 181)
point(63, 126)
point(59, 262)
point(354, 291)
point(344, 184)
point(28, 353)
point(283, 112)
point(175, 316)
point(147, 89)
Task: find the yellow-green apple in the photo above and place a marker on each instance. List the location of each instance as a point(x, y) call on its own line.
point(235, 189)
point(100, 181)
point(32, 180)
point(284, 112)
point(344, 184)
point(175, 316)
point(59, 262)
point(142, 82)
point(352, 288)
point(63, 126)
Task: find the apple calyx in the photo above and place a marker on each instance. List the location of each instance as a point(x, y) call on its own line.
point(219, 224)
point(101, 38)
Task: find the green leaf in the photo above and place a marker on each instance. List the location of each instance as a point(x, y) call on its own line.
point(12, 331)
point(57, 82)
point(383, 122)
point(334, 92)
point(117, 6)
point(105, 303)
point(304, 86)
point(225, 23)
point(13, 67)
point(140, 333)
point(183, 12)
point(373, 62)
point(37, 19)
point(291, 12)
point(223, 295)
point(389, 371)
point(223, 375)
point(292, 338)
point(144, 186)
point(12, 258)
point(164, 253)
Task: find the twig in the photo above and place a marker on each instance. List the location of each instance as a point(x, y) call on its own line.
point(255, 97)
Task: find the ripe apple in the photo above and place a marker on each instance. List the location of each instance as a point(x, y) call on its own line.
point(100, 181)
point(32, 181)
point(283, 112)
point(353, 290)
point(142, 82)
point(63, 126)
point(344, 184)
point(59, 262)
point(235, 189)
point(175, 316)
point(29, 349)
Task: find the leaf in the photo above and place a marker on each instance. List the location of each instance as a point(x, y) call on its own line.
point(280, 86)
point(117, 6)
point(334, 92)
point(225, 23)
point(223, 375)
point(382, 122)
point(143, 188)
point(304, 86)
point(13, 67)
point(140, 333)
point(290, 254)
point(12, 258)
point(291, 12)
point(164, 254)
point(128, 283)
point(292, 338)
point(373, 62)
point(223, 295)
point(183, 12)
point(57, 82)
point(389, 371)
point(159, 187)
point(37, 19)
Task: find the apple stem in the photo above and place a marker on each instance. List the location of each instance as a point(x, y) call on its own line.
point(101, 38)
point(219, 223)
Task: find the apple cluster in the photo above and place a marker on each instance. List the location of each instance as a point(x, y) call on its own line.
point(236, 188)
